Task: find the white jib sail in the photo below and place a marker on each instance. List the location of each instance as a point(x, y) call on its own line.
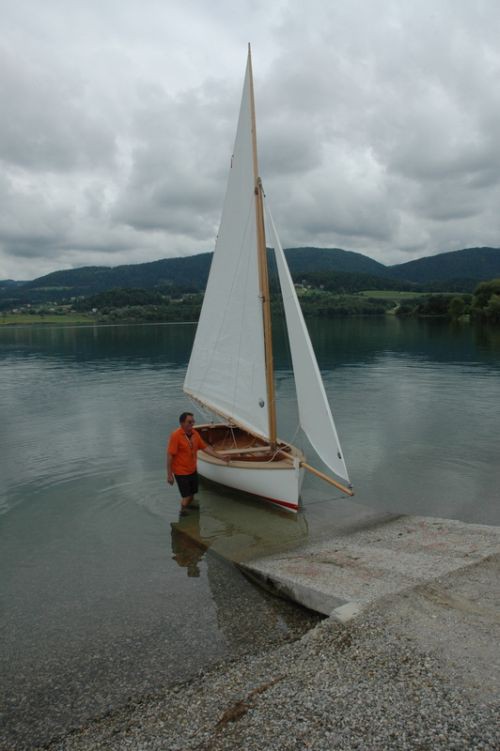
point(314, 411)
point(226, 371)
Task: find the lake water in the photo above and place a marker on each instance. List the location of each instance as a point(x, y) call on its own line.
point(105, 593)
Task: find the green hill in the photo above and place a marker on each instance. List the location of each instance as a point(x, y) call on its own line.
point(457, 270)
point(4, 283)
point(192, 271)
point(468, 264)
point(188, 271)
point(332, 259)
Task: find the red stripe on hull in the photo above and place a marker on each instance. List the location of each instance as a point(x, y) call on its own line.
point(285, 504)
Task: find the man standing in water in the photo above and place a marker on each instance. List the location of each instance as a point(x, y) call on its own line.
point(183, 446)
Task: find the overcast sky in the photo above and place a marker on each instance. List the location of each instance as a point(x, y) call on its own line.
point(378, 125)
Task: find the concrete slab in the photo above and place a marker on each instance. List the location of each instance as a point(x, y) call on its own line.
point(343, 574)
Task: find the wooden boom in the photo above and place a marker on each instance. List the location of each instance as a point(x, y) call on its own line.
point(327, 478)
point(322, 475)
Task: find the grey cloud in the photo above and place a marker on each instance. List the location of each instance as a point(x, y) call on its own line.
point(448, 201)
point(28, 224)
point(287, 147)
point(45, 125)
point(377, 124)
point(176, 181)
point(436, 150)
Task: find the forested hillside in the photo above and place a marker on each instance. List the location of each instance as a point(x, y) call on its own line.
point(333, 269)
point(472, 263)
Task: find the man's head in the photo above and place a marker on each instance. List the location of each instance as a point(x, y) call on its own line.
point(187, 422)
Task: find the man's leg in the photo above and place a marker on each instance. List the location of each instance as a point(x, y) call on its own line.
point(186, 501)
point(185, 489)
point(188, 486)
point(194, 489)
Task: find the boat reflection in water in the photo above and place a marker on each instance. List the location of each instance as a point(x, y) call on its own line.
point(238, 527)
point(235, 526)
point(228, 528)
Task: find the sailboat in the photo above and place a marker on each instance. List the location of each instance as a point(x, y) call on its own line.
point(230, 372)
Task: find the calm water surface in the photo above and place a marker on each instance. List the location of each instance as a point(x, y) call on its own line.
point(103, 592)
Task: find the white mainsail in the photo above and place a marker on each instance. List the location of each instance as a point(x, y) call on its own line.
point(226, 371)
point(314, 411)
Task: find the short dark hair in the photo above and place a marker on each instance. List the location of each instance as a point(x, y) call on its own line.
point(184, 415)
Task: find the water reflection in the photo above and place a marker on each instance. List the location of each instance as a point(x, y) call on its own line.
point(487, 339)
point(187, 551)
point(234, 525)
point(337, 342)
point(197, 541)
point(130, 345)
point(93, 601)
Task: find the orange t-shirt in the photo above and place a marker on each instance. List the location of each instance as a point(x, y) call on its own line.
point(183, 451)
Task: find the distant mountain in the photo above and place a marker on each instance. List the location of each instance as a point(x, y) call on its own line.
point(301, 260)
point(460, 269)
point(469, 264)
point(188, 271)
point(192, 271)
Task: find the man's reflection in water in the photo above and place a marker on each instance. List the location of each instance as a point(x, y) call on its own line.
point(241, 531)
point(187, 552)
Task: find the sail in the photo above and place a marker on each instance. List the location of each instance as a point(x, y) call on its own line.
point(314, 411)
point(226, 371)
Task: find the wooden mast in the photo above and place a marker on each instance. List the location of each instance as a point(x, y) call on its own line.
point(263, 271)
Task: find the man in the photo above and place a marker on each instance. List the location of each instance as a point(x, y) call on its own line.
point(183, 446)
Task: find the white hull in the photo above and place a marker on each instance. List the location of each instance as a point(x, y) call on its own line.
point(275, 476)
point(279, 485)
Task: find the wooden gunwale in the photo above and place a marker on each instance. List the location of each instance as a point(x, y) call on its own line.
point(250, 450)
point(238, 464)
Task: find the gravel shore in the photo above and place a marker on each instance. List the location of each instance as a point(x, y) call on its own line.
point(416, 671)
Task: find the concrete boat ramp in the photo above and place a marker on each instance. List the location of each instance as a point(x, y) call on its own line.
point(335, 557)
point(348, 571)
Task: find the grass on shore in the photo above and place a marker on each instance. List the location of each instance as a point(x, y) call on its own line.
point(30, 318)
point(397, 296)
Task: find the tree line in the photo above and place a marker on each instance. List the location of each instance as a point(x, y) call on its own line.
point(483, 305)
point(323, 300)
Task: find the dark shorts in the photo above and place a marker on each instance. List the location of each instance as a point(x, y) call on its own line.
point(187, 484)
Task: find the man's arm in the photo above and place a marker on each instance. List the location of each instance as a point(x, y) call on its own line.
point(217, 454)
point(172, 448)
point(170, 474)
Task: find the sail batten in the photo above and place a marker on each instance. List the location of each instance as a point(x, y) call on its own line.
point(314, 410)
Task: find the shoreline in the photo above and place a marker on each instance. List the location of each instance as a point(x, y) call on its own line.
point(415, 670)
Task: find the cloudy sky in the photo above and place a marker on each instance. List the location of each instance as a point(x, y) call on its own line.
point(378, 125)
